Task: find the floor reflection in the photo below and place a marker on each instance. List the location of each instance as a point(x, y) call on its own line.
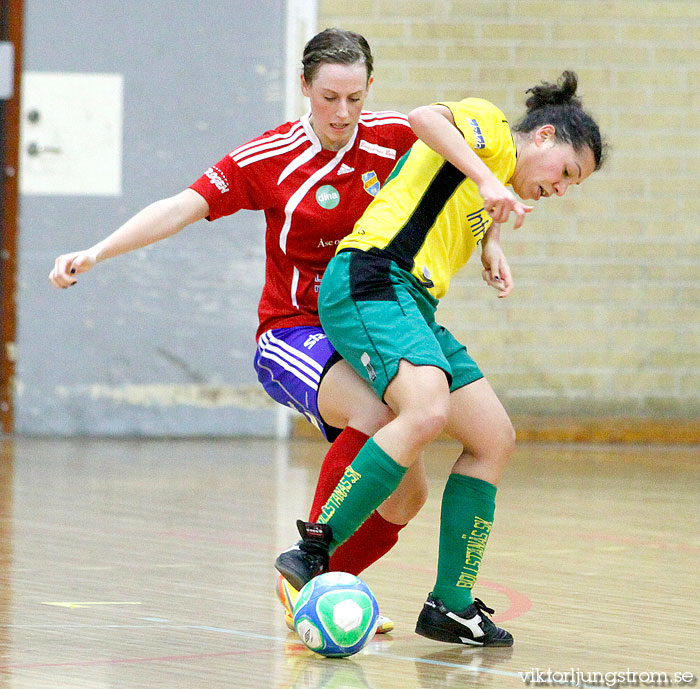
point(458, 667)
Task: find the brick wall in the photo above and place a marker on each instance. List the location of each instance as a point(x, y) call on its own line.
point(605, 318)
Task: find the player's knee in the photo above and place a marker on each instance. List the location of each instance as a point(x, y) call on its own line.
point(369, 418)
point(427, 422)
point(501, 445)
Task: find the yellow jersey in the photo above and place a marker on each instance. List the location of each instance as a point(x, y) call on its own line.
point(429, 217)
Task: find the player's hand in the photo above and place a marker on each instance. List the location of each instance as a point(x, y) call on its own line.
point(496, 271)
point(500, 202)
point(67, 266)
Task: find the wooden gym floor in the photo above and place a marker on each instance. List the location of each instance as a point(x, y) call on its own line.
point(144, 563)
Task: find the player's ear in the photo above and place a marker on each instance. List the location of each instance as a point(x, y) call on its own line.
point(545, 134)
point(305, 87)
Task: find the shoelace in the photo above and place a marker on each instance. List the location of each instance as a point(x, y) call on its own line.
point(489, 627)
point(313, 547)
point(481, 606)
point(314, 554)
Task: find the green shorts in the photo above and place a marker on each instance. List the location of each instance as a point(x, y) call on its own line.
point(376, 314)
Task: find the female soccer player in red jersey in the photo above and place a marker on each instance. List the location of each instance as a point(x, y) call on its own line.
point(313, 178)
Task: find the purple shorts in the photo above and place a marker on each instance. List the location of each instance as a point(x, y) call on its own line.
point(290, 363)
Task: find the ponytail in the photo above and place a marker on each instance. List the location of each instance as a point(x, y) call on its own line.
point(558, 105)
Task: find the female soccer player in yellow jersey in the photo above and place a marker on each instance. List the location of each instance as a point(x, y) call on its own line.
point(377, 304)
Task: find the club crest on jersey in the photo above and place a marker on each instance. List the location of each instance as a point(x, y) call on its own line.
point(371, 182)
point(327, 196)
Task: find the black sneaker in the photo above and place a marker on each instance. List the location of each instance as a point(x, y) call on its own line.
point(470, 627)
point(309, 557)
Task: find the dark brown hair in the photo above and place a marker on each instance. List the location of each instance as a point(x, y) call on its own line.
point(558, 105)
point(336, 46)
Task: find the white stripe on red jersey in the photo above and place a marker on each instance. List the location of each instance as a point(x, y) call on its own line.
point(295, 284)
point(308, 207)
point(296, 198)
point(304, 157)
point(387, 117)
point(275, 139)
point(275, 152)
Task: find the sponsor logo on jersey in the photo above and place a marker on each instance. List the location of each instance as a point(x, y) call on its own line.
point(327, 196)
point(378, 150)
point(217, 178)
point(322, 243)
point(345, 169)
point(371, 182)
point(478, 223)
point(479, 141)
point(311, 340)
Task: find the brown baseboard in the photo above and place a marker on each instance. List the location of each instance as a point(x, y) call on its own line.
point(607, 429)
point(568, 429)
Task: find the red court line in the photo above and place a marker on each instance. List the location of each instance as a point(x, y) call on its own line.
point(519, 602)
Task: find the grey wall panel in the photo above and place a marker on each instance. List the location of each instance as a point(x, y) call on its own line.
point(160, 341)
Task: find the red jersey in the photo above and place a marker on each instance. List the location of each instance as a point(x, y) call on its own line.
point(312, 198)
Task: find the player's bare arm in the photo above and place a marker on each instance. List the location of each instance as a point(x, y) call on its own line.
point(156, 221)
point(435, 126)
point(496, 271)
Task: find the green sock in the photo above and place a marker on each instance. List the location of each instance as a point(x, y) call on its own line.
point(465, 523)
point(371, 478)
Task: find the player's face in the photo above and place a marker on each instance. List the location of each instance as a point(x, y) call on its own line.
point(547, 167)
point(337, 94)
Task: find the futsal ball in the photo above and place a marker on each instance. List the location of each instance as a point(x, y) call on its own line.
point(335, 614)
